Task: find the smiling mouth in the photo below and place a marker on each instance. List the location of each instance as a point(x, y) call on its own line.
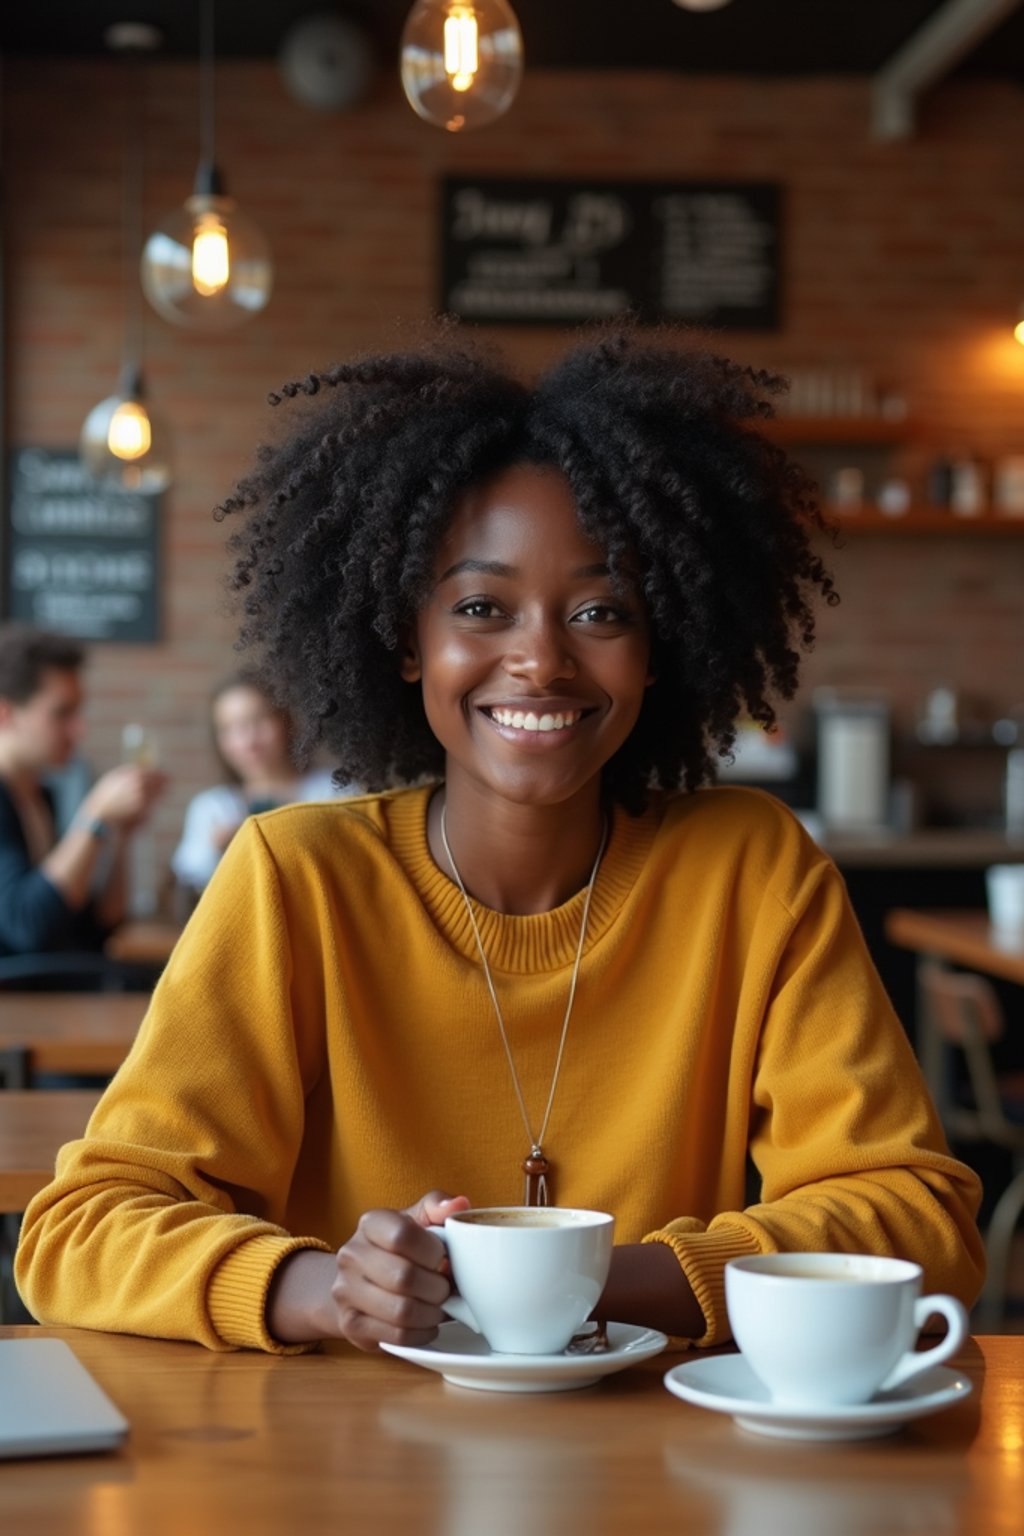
point(529, 720)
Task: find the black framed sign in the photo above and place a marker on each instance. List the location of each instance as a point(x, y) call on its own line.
point(565, 252)
point(81, 558)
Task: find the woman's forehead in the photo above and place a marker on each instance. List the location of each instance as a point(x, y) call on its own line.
point(520, 508)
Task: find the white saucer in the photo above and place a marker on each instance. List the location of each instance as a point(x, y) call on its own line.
point(726, 1384)
point(466, 1360)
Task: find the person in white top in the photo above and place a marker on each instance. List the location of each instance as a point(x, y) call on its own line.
point(252, 737)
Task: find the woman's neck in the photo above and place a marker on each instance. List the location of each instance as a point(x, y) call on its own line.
point(516, 858)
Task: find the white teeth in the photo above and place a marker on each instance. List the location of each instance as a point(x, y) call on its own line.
point(531, 722)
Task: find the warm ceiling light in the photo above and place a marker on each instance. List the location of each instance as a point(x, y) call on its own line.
point(1018, 329)
point(207, 265)
point(121, 442)
point(129, 434)
point(461, 61)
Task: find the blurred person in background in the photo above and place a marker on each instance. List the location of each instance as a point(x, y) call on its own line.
point(68, 891)
point(253, 740)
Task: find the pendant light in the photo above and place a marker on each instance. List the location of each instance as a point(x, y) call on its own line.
point(207, 265)
point(461, 61)
point(1018, 329)
point(701, 5)
point(122, 443)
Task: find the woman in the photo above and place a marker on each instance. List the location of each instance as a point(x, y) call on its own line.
point(559, 965)
point(252, 737)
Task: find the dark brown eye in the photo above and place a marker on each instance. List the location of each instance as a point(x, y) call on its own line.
point(478, 608)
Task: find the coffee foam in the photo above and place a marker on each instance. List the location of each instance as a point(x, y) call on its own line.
point(817, 1274)
point(531, 1218)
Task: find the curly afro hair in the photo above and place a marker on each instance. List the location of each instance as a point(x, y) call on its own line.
point(670, 475)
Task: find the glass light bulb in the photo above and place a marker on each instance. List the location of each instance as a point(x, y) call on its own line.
point(129, 434)
point(461, 47)
point(461, 61)
point(211, 255)
point(123, 444)
point(207, 265)
point(1018, 330)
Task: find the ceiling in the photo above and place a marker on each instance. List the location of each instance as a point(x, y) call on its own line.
point(760, 37)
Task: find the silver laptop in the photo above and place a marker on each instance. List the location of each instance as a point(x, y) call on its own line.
point(49, 1403)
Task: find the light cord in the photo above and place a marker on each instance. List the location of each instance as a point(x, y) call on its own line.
point(207, 103)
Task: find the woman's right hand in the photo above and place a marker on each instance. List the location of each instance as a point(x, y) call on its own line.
point(385, 1285)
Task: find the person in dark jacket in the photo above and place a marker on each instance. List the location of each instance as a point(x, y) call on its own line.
point(67, 892)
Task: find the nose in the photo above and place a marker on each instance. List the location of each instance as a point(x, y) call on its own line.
point(541, 652)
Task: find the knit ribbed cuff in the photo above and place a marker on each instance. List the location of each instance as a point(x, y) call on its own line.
point(237, 1295)
point(703, 1256)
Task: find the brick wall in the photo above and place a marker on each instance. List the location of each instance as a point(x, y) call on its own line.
point(905, 260)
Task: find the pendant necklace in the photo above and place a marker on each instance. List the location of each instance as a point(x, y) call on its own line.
point(536, 1166)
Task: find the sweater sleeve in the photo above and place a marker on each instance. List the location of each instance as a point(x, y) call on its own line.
point(166, 1219)
point(842, 1130)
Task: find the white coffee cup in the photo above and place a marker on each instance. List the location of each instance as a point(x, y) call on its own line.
point(527, 1276)
point(1004, 886)
point(823, 1329)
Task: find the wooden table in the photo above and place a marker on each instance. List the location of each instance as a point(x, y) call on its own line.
point(249, 1445)
point(33, 1128)
point(70, 1031)
point(964, 938)
point(143, 942)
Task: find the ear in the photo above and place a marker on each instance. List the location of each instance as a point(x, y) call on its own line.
point(410, 668)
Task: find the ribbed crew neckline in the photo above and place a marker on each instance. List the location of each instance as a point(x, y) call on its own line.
point(525, 943)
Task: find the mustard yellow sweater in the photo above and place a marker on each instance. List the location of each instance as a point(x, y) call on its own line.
point(322, 1042)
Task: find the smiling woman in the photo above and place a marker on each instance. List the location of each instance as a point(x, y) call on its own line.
point(561, 953)
point(681, 499)
point(532, 663)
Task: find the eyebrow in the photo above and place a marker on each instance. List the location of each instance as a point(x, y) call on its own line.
point(498, 568)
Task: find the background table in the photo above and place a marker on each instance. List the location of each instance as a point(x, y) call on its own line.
point(70, 1031)
point(143, 942)
point(965, 938)
point(249, 1445)
point(33, 1128)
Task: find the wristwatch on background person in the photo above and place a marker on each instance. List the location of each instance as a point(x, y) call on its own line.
point(94, 825)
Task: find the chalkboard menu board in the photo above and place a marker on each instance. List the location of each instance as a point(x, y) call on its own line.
point(82, 559)
point(560, 252)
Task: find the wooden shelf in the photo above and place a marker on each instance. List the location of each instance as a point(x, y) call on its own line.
point(879, 431)
point(927, 520)
point(865, 430)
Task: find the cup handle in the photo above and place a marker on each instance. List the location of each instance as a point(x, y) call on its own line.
point(455, 1306)
point(913, 1363)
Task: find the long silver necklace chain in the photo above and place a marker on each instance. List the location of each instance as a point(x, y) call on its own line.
point(536, 1167)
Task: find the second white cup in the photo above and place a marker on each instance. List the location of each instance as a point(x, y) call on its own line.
point(527, 1276)
point(825, 1329)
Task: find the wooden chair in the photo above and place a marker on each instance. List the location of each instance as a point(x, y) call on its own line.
point(964, 1011)
point(73, 971)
